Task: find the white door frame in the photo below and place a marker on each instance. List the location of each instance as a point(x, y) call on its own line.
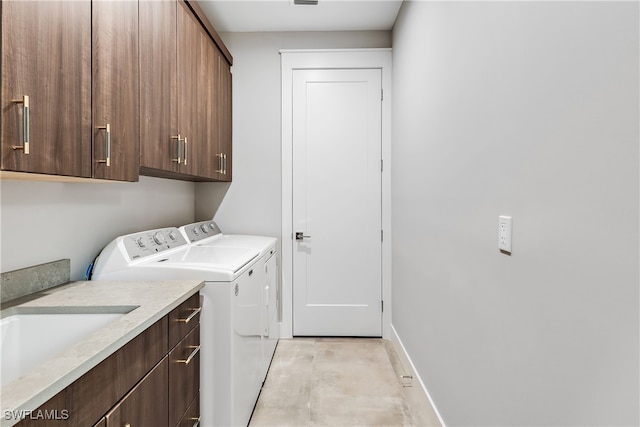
point(332, 59)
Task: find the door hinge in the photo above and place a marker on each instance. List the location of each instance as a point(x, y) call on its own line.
point(382, 235)
point(382, 305)
point(381, 94)
point(381, 165)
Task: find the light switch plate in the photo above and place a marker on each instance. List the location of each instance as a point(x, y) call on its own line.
point(505, 225)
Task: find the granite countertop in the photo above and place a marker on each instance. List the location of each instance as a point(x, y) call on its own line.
point(148, 302)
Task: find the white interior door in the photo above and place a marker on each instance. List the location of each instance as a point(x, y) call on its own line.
point(337, 202)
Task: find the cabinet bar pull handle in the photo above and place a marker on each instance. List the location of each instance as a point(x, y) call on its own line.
point(107, 137)
point(194, 313)
point(219, 156)
point(185, 151)
point(25, 124)
point(177, 160)
point(195, 351)
point(197, 421)
point(224, 158)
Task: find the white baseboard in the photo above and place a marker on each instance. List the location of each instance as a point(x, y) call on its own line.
point(285, 331)
point(410, 369)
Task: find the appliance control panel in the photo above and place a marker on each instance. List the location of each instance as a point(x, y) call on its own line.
point(151, 242)
point(201, 230)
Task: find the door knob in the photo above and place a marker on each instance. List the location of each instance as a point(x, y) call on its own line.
point(300, 235)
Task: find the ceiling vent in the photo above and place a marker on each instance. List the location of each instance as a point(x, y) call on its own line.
point(305, 2)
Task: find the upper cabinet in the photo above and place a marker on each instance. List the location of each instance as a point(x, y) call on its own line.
point(46, 87)
point(115, 94)
point(70, 88)
point(161, 146)
point(109, 90)
point(224, 118)
point(180, 55)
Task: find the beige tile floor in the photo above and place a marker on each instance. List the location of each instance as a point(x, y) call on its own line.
point(338, 382)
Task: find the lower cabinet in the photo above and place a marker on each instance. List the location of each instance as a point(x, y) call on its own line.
point(146, 404)
point(191, 418)
point(149, 382)
point(184, 375)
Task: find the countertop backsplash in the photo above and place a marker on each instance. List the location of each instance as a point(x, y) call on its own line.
point(25, 281)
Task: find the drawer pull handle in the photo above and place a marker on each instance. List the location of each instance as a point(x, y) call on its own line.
point(197, 421)
point(25, 124)
point(194, 313)
point(195, 351)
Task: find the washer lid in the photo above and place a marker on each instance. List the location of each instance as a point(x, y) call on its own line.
point(212, 257)
point(262, 244)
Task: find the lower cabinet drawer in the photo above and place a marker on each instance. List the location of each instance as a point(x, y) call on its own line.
point(146, 404)
point(184, 375)
point(183, 319)
point(192, 417)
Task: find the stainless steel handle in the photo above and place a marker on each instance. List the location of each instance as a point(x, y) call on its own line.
point(25, 124)
point(300, 235)
point(224, 161)
point(107, 138)
point(178, 159)
point(220, 169)
point(194, 313)
point(195, 351)
point(185, 151)
point(197, 421)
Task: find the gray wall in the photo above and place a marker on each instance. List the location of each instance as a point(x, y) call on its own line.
point(45, 221)
point(527, 109)
point(252, 202)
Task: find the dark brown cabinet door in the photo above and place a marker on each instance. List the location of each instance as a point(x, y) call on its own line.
point(224, 107)
point(184, 375)
point(190, 62)
point(192, 416)
point(115, 80)
point(206, 160)
point(46, 56)
point(147, 403)
point(160, 147)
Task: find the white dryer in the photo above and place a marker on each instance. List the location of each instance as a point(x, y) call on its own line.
point(208, 234)
point(231, 356)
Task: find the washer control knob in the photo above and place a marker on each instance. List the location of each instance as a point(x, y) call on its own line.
point(140, 242)
point(195, 230)
point(172, 235)
point(204, 228)
point(159, 238)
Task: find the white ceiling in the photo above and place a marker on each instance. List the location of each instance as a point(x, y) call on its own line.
point(283, 15)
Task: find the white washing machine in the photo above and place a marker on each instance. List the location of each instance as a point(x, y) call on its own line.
point(208, 234)
point(231, 319)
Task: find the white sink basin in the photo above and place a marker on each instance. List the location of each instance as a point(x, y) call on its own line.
point(30, 339)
